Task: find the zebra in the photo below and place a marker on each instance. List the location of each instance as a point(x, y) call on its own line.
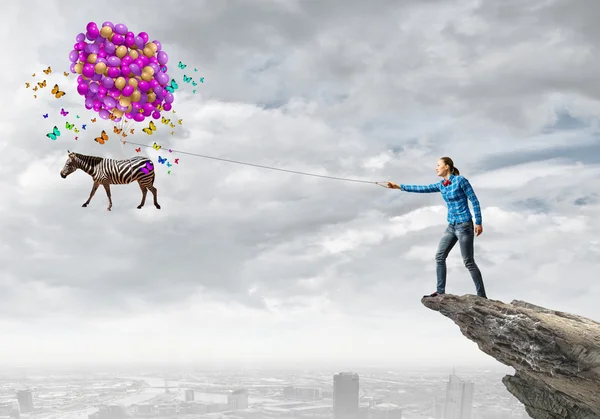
point(110, 171)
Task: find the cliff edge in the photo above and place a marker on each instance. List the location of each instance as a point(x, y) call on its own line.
point(556, 355)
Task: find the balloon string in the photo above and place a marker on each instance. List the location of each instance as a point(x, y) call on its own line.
point(261, 166)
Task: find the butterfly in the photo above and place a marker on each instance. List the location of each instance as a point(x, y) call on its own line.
point(172, 132)
point(76, 138)
point(66, 74)
point(164, 69)
point(169, 164)
point(126, 121)
point(172, 125)
point(27, 84)
point(35, 96)
point(112, 117)
point(174, 111)
point(54, 134)
point(35, 89)
point(76, 130)
point(138, 149)
point(169, 172)
point(117, 130)
point(93, 120)
point(150, 129)
point(181, 65)
point(187, 79)
point(33, 75)
point(56, 92)
point(77, 116)
point(194, 91)
point(180, 121)
point(165, 120)
point(69, 126)
point(156, 146)
point(173, 86)
point(83, 126)
point(103, 137)
point(148, 168)
point(161, 160)
point(170, 151)
point(124, 135)
point(42, 84)
point(63, 112)
point(201, 80)
point(195, 69)
point(48, 71)
point(176, 161)
point(158, 107)
point(194, 83)
point(124, 142)
point(132, 130)
point(45, 116)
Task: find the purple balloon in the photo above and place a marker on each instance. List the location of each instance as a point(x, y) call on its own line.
point(139, 62)
point(143, 85)
point(125, 70)
point(158, 45)
point(90, 26)
point(97, 77)
point(72, 67)
point(73, 56)
point(94, 49)
point(81, 80)
point(160, 79)
point(126, 60)
point(153, 83)
point(117, 39)
point(157, 90)
point(144, 36)
point(92, 34)
point(121, 108)
point(93, 87)
point(139, 117)
point(101, 60)
point(169, 97)
point(167, 107)
point(154, 67)
point(109, 24)
point(90, 94)
point(113, 61)
point(156, 114)
point(143, 99)
point(82, 57)
point(114, 92)
point(109, 102)
point(108, 82)
point(109, 47)
point(127, 90)
point(89, 102)
point(104, 114)
point(135, 106)
point(121, 29)
point(113, 72)
point(82, 89)
point(88, 70)
point(97, 106)
point(135, 69)
point(139, 42)
point(102, 92)
point(129, 42)
point(88, 48)
point(80, 37)
point(77, 46)
point(162, 57)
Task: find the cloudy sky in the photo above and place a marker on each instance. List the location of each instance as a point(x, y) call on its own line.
point(254, 265)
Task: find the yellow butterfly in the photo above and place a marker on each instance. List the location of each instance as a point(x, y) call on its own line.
point(93, 120)
point(165, 120)
point(173, 111)
point(35, 96)
point(33, 75)
point(35, 89)
point(172, 132)
point(27, 85)
point(76, 130)
point(159, 107)
point(150, 129)
point(42, 84)
point(156, 146)
point(56, 92)
point(48, 70)
point(103, 138)
point(66, 74)
point(180, 121)
point(117, 130)
point(172, 125)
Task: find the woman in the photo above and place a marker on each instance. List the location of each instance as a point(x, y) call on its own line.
point(456, 191)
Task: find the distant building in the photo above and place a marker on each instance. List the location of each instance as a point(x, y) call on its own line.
point(237, 399)
point(459, 398)
point(386, 411)
point(438, 409)
point(302, 393)
point(25, 398)
point(345, 395)
point(189, 395)
point(10, 409)
point(110, 412)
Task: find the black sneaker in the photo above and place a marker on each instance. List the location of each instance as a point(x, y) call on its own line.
point(435, 294)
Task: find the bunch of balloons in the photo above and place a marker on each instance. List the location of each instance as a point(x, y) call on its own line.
point(121, 73)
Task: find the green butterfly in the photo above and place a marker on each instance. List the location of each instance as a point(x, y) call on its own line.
point(181, 65)
point(173, 86)
point(195, 69)
point(187, 79)
point(201, 80)
point(69, 126)
point(194, 83)
point(54, 134)
point(194, 91)
point(77, 116)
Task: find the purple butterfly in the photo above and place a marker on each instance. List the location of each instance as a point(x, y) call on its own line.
point(63, 112)
point(148, 168)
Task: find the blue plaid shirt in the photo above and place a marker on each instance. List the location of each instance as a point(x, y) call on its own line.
point(456, 195)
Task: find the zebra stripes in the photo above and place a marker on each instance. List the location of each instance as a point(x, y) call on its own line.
point(111, 171)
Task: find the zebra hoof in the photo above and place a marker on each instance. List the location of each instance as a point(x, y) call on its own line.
point(157, 206)
point(139, 206)
point(84, 205)
point(107, 209)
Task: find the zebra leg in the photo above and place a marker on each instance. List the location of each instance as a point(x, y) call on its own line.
point(94, 188)
point(144, 192)
point(107, 189)
point(154, 192)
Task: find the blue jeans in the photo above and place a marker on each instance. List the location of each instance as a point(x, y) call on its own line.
point(464, 234)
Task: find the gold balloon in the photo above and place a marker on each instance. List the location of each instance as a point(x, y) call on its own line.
point(117, 113)
point(120, 83)
point(125, 101)
point(110, 37)
point(151, 97)
point(121, 51)
point(133, 82)
point(152, 47)
point(148, 70)
point(136, 96)
point(134, 54)
point(129, 109)
point(146, 76)
point(106, 31)
point(78, 68)
point(148, 52)
point(92, 58)
point(100, 68)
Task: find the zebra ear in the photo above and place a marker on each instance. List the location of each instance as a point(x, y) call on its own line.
point(68, 151)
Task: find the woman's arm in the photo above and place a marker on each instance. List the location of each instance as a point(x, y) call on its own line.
point(468, 189)
point(434, 187)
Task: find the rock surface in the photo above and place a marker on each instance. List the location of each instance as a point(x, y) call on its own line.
point(556, 355)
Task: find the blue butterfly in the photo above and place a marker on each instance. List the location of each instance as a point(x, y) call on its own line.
point(201, 80)
point(161, 160)
point(45, 116)
point(83, 126)
point(54, 134)
point(173, 86)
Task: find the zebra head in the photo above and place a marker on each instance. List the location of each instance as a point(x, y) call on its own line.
point(70, 166)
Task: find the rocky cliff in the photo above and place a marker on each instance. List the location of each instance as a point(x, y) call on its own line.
point(556, 355)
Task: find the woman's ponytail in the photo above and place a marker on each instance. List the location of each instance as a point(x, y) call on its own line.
point(455, 171)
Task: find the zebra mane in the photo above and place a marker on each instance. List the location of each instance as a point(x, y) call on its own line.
point(89, 159)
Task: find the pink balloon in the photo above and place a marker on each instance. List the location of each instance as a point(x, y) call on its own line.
point(126, 60)
point(88, 70)
point(117, 39)
point(82, 89)
point(139, 117)
point(143, 85)
point(153, 83)
point(129, 115)
point(113, 72)
point(128, 90)
point(167, 107)
point(156, 114)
